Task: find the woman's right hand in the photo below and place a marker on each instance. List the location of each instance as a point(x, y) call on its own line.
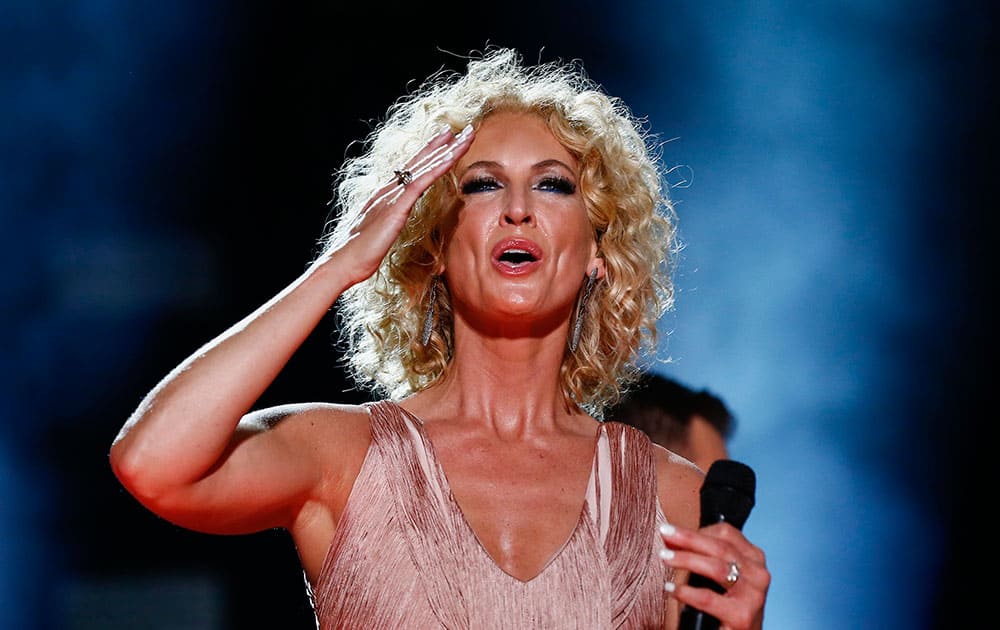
point(383, 217)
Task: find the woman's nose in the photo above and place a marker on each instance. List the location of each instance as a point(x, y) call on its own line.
point(517, 210)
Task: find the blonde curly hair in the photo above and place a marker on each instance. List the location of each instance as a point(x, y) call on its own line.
point(620, 180)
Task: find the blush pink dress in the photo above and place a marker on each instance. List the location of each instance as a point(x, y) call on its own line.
point(405, 557)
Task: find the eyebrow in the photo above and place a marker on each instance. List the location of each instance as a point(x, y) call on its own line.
point(539, 165)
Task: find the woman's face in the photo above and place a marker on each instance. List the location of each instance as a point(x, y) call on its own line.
point(522, 244)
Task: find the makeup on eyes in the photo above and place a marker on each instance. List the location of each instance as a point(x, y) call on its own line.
point(550, 182)
point(557, 183)
point(479, 183)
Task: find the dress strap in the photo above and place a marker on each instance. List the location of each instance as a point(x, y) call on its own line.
point(628, 530)
point(423, 509)
point(599, 488)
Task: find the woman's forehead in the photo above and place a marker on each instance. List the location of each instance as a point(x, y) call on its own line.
point(516, 139)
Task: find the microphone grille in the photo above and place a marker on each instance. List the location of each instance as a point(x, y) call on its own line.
point(732, 474)
point(727, 493)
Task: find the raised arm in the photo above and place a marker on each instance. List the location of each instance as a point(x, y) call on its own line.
point(191, 453)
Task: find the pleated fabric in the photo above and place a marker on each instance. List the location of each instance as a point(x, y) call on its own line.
point(405, 557)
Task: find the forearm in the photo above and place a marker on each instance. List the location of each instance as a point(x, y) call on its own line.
point(183, 426)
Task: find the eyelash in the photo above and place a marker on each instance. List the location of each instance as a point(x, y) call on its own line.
point(479, 184)
point(553, 183)
point(557, 184)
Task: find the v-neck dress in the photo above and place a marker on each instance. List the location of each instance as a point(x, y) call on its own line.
point(404, 556)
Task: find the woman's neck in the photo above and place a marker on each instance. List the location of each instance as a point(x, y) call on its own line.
point(511, 384)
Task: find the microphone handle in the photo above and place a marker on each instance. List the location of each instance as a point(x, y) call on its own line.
point(727, 494)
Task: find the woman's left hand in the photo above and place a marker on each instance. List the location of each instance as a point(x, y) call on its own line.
point(721, 553)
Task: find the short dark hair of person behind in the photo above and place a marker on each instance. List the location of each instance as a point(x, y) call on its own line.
point(663, 408)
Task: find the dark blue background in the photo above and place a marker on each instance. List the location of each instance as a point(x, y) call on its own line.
point(166, 168)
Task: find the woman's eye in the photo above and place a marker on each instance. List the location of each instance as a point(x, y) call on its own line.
point(479, 184)
point(557, 184)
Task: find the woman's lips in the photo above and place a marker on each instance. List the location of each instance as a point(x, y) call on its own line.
point(516, 256)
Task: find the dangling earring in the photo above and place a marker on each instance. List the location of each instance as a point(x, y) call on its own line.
point(581, 310)
point(425, 336)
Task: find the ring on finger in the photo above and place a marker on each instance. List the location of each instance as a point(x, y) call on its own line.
point(734, 573)
point(403, 176)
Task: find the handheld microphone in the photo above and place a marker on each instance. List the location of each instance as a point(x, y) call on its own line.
point(727, 494)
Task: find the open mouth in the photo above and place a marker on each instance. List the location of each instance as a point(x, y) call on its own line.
point(516, 255)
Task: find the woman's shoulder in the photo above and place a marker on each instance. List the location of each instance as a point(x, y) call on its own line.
point(678, 486)
point(678, 481)
point(319, 414)
point(314, 410)
point(307, 422)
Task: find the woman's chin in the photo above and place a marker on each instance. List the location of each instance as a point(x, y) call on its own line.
point(518, 305)
point(527, 315)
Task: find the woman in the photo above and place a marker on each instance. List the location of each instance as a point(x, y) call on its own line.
point(495, 285)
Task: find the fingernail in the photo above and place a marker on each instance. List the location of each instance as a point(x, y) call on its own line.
point(666, 529)
point(666, 554)
point(669, 587)
point(464, 133)
point(443, 128)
